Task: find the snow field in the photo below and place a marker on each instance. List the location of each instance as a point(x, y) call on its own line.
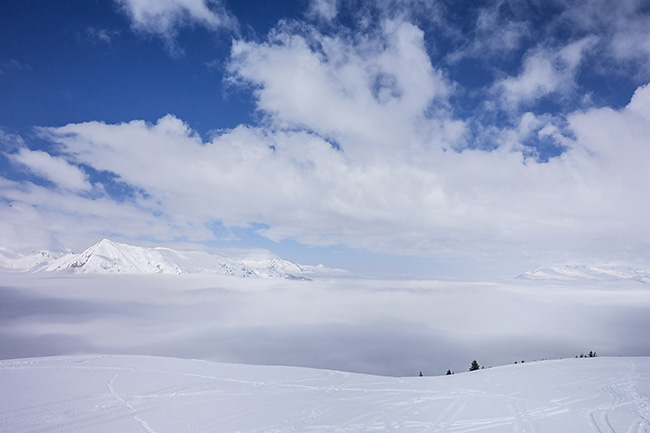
point(157, 395)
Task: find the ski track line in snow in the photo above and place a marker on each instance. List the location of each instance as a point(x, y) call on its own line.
point(640, 403)
point(599, 417)
point(131, 408)
point(523, 420)
point(58, 417)
point(449, 414)
point(290, 423)
point(642, 423)
point(450, 419)
point(266, 403)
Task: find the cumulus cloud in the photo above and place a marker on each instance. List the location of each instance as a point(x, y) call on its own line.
point(359, 144)
point(427, 200)
point(618, 145)
point(371, 92)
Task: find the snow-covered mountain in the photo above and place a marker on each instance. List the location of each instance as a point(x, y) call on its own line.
point(112, 257)
point(587, 273)
point(163, 395)
point(18, 262)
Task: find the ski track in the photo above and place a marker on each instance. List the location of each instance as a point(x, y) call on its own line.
point(168, 400)
point(126, 403)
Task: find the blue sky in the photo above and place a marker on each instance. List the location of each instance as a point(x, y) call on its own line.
point(387, 137)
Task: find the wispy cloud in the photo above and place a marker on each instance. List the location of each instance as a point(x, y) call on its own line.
point(13, 66)
point(165, 18)
point(624, 28)
point(323, 9)
point(95, 34)
point(56, 170)
point(494, 34)
point(545, 71)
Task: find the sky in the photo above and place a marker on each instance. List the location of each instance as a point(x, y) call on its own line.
point(381, 136)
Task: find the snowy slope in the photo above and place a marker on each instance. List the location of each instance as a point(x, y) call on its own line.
point(112, 257)
point(157, 395)
point(587, 273)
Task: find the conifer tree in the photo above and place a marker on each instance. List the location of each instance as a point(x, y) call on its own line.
point(474, 366)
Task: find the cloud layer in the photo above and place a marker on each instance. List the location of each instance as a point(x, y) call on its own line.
point(386, 327)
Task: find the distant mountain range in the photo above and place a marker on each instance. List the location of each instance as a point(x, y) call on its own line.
point(108, 257)
point(587, 273)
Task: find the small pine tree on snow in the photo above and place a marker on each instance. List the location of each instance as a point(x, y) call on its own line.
point(448, 372)
point(474, 366)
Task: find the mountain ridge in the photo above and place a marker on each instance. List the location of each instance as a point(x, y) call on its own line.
point(107, 256)
point(587, 273)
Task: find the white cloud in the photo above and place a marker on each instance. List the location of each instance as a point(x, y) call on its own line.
point(623, 28)
point(165, 17)
point(55, 170)
point(36, 217)
point(590, 201)
point(237, 177)
point(494, 35)
point(370, 92)
point(11, 142)
point(324, 9)
point(545, 71)
point(618, 145)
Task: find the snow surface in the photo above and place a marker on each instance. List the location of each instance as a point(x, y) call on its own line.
point(111, 257)
point(156, 395)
